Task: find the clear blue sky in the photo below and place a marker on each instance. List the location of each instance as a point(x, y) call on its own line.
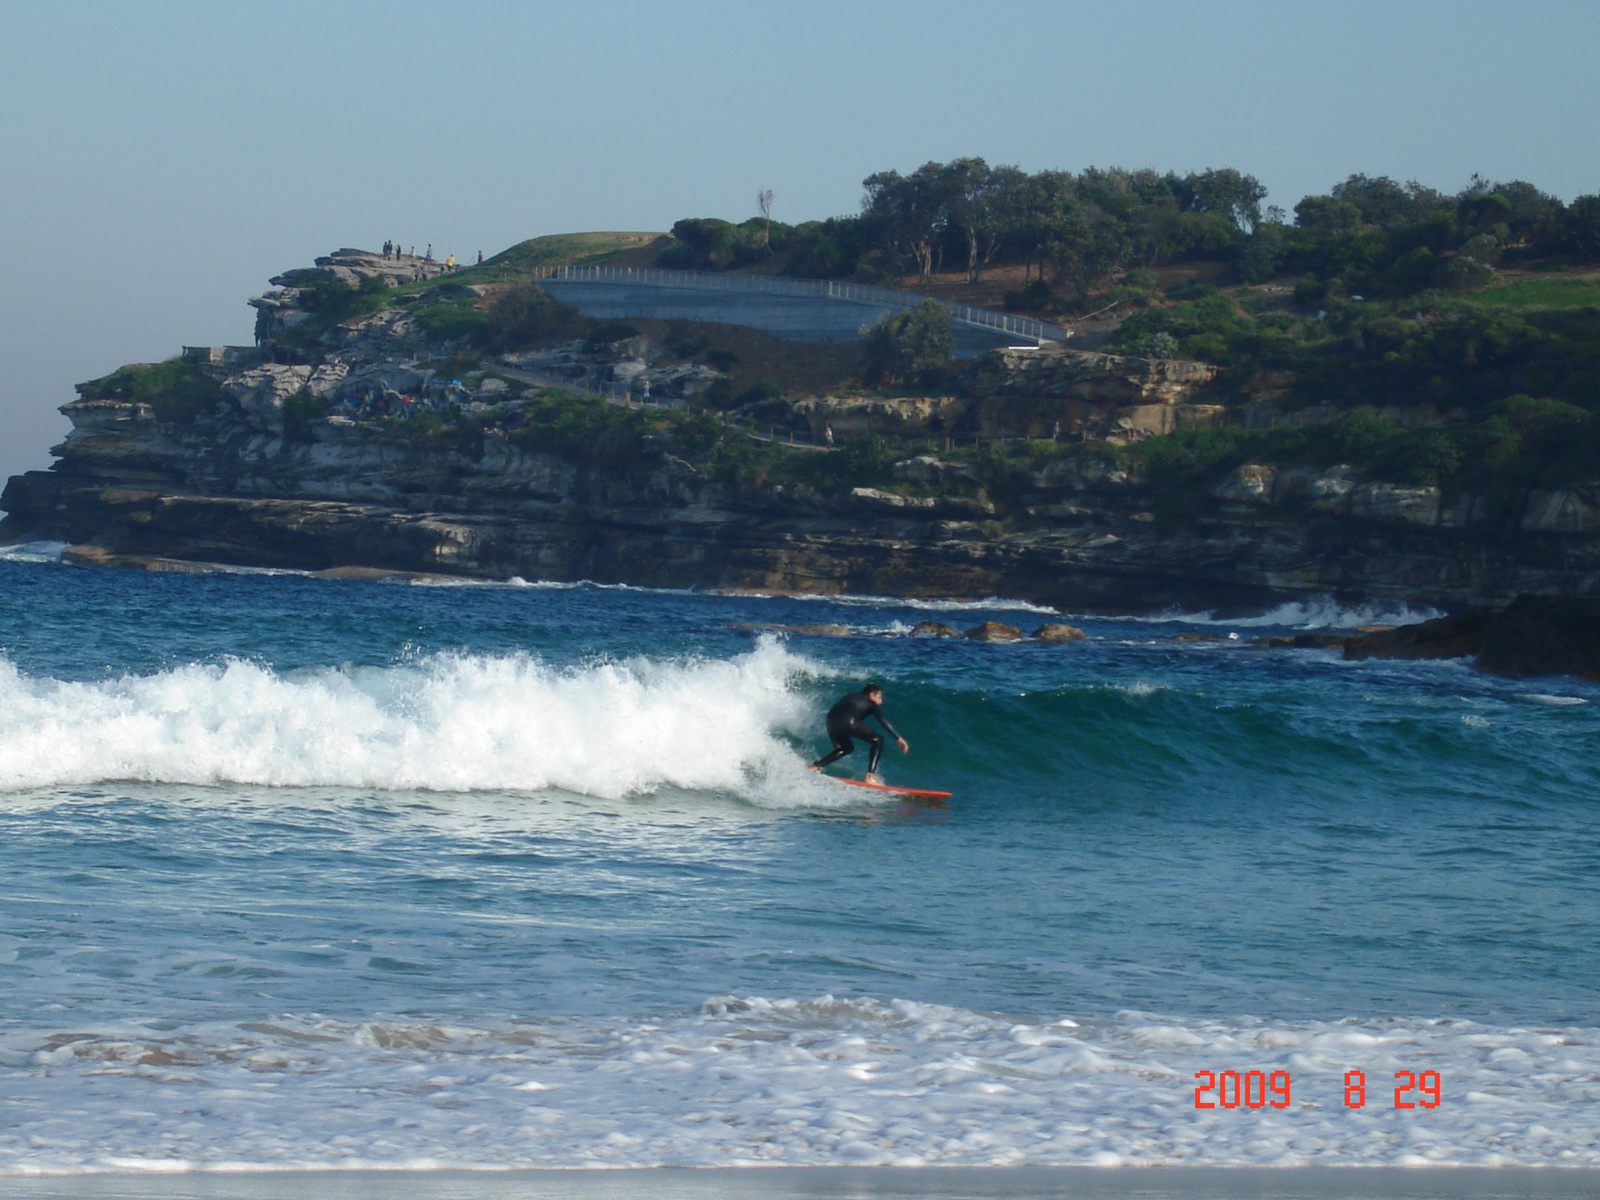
point(161, 160)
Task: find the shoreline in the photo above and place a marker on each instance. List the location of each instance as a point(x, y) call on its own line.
point(813, 1183)
point(1367, 608)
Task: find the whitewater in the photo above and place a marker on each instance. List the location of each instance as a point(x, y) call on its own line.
point(302, 875)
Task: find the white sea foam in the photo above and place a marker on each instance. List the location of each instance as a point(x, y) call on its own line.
point(32, 552)
point(751, 1081)
point(446, 722)
point(987, 604)
point(1321, 612)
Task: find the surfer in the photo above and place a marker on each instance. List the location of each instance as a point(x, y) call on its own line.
point(846, 720)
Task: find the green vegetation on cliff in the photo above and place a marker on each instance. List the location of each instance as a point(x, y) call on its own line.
point(176, 390)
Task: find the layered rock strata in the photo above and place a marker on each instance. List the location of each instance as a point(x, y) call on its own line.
point(235, 488)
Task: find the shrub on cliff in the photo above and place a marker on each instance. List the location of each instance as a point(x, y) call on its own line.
point(913, 346)
point(1198, 329)
point(526, 315)
point(332, 300)
point(453, 320)
point(176, 390)
point(609, 333)
point(711, 244)
point(585, 429)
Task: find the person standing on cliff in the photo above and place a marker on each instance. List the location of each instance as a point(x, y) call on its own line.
point(846, 720)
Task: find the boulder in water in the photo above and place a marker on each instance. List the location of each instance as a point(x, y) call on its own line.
point(932, 629)
point(994, 631)
point(1055, 633)
point(1543, 635)
point(1443, 637)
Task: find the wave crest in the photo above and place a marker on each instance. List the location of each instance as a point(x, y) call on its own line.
point(447, 722)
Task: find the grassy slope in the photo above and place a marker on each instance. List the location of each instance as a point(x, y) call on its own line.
point(1545, 291)
point(537, 255)
point(557, 250)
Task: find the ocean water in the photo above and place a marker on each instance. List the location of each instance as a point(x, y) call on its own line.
point(301, 874)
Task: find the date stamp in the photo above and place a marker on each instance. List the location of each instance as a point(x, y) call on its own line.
point(1257, 1089)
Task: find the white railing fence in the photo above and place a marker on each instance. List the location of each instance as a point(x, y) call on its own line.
point(781, 285)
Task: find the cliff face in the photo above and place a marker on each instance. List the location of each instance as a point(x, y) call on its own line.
point(235, 489)
point(287, 467)
point(1026, 393)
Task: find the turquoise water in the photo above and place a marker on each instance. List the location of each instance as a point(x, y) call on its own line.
point(277, 847)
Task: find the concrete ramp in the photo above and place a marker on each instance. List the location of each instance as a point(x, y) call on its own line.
point(796, 310)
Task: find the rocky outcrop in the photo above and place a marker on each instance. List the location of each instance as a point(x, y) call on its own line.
point(1339, 490)
point(897, 416)
point(1533, 636)
point(1047, 393)
point(1105, 379)
point(1543, 635)
point(1564, 510)
point(1056, 392)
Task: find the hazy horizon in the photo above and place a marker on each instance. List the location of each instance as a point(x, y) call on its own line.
point(163, 161)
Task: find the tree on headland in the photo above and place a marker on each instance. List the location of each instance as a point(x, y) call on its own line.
point(1226, 191)
point(1583, 228)
point(1082, 236)
point(916, 345)
point(982, 203)
point(910, 212)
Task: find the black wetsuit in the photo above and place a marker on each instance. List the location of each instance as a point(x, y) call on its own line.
point(846, 720)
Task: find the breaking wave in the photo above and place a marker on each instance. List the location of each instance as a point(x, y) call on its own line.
point(446, 722)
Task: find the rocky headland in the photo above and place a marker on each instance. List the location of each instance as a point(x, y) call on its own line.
point(389, 440)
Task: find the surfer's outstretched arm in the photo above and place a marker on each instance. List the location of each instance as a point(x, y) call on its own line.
point(893, 732)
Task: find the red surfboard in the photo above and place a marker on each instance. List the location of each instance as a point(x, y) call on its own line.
point(897, 791)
